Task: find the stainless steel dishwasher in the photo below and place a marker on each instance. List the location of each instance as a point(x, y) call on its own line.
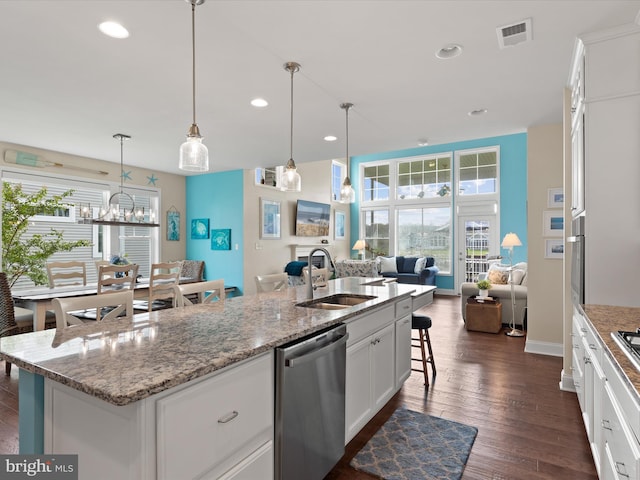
point(310, 379)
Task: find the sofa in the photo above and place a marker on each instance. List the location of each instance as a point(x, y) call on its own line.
point(502, 291)
point(415, 270)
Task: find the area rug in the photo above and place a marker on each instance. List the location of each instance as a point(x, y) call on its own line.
point(415, 446)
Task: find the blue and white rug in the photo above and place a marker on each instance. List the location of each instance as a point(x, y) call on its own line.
point(415, 446)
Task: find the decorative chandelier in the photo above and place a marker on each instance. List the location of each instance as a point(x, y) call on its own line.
point(121, 208)
point(291, 181)
point(347, 194)
point(194, 155)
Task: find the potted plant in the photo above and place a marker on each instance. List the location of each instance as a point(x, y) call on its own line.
point(483, 287)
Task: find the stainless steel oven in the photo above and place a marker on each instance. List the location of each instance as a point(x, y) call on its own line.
point(577, 260)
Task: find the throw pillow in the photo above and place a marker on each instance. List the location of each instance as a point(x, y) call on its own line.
point(420, 265)
point(388, 265)
point(498, 277)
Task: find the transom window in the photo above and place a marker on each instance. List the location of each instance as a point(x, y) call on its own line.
point(478, 172)
point(376, 182)
point(425, 178)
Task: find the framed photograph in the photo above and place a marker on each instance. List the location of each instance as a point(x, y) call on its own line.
point(199, 228)
point(339, 227)
point(173, 225)
point(553, 225)
point(554, 248)
point(555, 198)
point(269, 218)
point(221, 239)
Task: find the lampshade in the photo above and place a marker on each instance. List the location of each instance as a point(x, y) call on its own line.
point(359, 245)
point(291, 181)
point(194, 155)
point(347, 194)
point(511, 240)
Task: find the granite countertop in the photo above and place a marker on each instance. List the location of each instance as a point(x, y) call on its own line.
point(124, 361)
point(606, 319)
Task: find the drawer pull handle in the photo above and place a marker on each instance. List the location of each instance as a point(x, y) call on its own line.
point(228, 417)
point(605, 425)
point(405, 321)
point(582, 329)
point(623, 472)
point(592, 346)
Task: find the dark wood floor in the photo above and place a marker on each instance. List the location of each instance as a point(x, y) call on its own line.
point(527, 427)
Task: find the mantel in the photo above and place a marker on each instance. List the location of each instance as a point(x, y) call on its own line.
point(299, 250)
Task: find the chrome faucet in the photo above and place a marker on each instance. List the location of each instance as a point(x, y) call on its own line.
point(311, 287)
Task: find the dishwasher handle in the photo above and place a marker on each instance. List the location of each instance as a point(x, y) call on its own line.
point(302, 359)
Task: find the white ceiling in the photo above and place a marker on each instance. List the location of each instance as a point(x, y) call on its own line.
point(66, 87)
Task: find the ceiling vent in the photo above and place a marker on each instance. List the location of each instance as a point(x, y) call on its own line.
point(510, 35)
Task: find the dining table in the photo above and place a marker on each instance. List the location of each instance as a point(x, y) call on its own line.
point(40, 299)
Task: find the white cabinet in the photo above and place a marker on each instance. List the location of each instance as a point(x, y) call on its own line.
point(403, 350)
point(219, 426)
point(577, 131)
point(378, 362)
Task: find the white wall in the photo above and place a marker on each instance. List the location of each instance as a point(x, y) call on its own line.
point(264, 256)
point(545, 278)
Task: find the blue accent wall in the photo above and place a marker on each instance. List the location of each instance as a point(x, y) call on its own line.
point(513, 186)
point(218, 197)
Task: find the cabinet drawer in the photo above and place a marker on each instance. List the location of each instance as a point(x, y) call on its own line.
point(219, 418)
point(403, 307)
point(363, 326)
point(257, 465)
point(623, 396)
point(592, 342)
point(620, 444)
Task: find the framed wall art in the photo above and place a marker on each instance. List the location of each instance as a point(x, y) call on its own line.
point(221, 239)
point(339, 225)
point(554, 248)
point(173, 224)
point(199, 228)
point(553, 223)
point(555, 198)
point(269, 218)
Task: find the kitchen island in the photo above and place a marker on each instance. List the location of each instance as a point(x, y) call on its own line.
point(137, 381)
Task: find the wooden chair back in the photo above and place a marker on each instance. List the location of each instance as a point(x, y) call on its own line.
point(66, 273)
point(120, 305)
point(112, 278)
point(204, 292)
point(273, 282)
point(164, 277)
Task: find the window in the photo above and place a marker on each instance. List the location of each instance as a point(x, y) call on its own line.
point(478, 172)
point(424, 178)
point(376, 183)
point(376, 232)
point(423, 232)
point(139, 243)
point(338, 174)
point(269, 176)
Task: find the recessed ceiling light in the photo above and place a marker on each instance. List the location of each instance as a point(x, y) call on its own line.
point(423, 142)
point(449, 51)
point(330, 138)
point(480, 111)
point(113, 29)
point(259, 102)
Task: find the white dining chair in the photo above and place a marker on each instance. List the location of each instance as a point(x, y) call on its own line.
point(201, 292)
point(66, 273)
point(162, 294)
point(273, 282)
point(119, 304)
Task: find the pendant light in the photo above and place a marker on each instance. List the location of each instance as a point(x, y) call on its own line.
point(347, 194)
point(194, 155)
point(291, 181)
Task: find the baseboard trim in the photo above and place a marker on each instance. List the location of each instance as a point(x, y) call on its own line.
point(544, 348)
point(566, 382)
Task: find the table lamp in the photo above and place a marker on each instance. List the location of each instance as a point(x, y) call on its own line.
point(509, 241)
point(360, 245)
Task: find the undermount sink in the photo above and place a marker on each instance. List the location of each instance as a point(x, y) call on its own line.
point(337, 301)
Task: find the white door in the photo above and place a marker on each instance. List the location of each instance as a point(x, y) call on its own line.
point(477, 239)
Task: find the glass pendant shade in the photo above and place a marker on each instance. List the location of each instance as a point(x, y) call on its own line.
point(291, 181)
point(194, 155)
point(347, 193)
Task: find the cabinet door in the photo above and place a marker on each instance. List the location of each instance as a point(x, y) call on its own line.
point(383, 366)
point(403, 350)
point(257, 465)
point(357, 388)
point(577, 165)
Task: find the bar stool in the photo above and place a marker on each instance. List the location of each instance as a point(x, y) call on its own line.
point(422, 323)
